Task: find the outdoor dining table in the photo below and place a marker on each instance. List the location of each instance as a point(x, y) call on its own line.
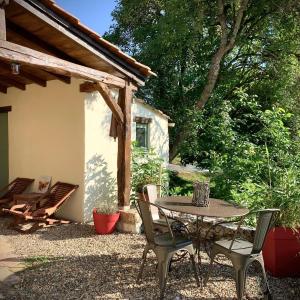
point(217, 209)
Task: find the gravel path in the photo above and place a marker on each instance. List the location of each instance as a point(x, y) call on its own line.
point(72, 262)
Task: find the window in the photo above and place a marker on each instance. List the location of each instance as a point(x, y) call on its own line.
point(142, 135)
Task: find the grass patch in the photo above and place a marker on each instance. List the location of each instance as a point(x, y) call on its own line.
point(36, 260)
point(181, 183)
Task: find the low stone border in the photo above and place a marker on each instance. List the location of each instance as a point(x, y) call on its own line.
point(130, 222)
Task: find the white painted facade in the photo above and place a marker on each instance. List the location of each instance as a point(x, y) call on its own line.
point(60, 132)
point(158, 127)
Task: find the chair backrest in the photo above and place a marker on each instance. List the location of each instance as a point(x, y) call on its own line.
point(17, 186)
point(58, 193)
point(265, 221)
point(145, 212)
point(151, 193)
point(43, 184)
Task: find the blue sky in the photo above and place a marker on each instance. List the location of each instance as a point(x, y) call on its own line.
point(92, 13)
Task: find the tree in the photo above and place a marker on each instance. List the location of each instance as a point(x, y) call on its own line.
point(201, 50)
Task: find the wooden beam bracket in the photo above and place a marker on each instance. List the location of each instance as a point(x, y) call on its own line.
point(102, 88)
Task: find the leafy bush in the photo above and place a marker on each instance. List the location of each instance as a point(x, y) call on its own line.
point(179, 186)
point(264, 171)
point(147, 167)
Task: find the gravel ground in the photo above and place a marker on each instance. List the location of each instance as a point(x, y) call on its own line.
point(72, 262)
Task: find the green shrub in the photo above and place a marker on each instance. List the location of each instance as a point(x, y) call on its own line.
point(146, 167)
point(263, 172)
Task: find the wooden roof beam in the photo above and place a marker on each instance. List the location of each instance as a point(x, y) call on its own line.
point(3, 89)
point(33, 78)
point(11, 82)
point(56, 22)
point(89, 87)
point(62, 78)
point(33, 41)
point(13, 52)
point(23, 74)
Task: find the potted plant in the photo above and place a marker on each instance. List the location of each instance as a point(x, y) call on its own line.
point(281, 250)
point(106, 216)
point(282, 246)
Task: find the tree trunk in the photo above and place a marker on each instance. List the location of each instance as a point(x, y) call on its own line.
point(227, 42)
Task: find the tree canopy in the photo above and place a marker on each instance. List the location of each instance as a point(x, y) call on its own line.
point(227, 72)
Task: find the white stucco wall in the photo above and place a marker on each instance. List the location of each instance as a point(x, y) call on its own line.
point(46, 136)
point(100, 155)
point(60, 132)
point(158, 128)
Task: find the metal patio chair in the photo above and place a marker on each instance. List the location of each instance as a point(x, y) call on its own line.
point(242, 253)
point(150, 193)
point(164, 245)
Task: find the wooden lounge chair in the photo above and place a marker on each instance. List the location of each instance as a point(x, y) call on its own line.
point(39, 213)
point(17, 186)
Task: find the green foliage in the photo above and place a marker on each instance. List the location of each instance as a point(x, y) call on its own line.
point(262, 170)
point(101, 186)
point(146, 168)
point(177, 39)
point(37, 260)
point(245, 134)
point(180, 186)
point(181, 183)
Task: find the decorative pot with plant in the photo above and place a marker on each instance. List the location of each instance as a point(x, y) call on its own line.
point(282, 246)
point(106, 216)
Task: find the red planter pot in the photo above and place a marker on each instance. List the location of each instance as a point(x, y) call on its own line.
point(105, 224)
point(282, 252)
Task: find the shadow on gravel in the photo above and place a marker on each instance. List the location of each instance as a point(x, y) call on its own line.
point(59, 232)
point(99, 277)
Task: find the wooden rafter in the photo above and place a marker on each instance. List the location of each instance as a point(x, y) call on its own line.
point(83, 40)
point(105, 93)
point(23, 55)
point(24, 75)
point(33, 78)
point(7, 81)
point(30, 40)
point(62, 78)
point(3, 89)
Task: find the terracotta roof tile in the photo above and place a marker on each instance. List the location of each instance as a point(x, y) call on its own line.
point(143, 69)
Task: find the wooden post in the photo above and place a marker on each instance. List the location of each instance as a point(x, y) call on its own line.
point(3, 3)
point(124, 147)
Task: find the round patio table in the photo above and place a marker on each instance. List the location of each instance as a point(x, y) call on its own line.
point(217, 208)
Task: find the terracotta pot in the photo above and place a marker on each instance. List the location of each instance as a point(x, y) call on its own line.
point(282, 252)
point(105, 224)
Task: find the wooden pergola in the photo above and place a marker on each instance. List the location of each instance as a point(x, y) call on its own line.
point(50, 44)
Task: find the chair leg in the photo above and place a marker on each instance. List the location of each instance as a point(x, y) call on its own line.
point(240, 282)
point(144, 257)
point(163, 266)
point(192, 258)
point(267, 294)
point(212, 257)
